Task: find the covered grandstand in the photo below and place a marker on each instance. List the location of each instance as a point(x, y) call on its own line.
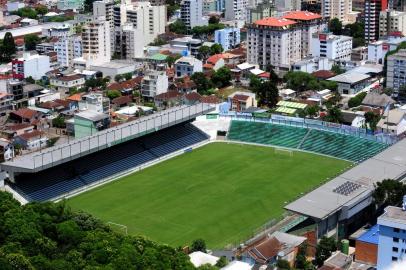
point(58, 170)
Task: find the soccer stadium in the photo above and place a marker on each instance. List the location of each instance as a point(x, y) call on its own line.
point(186, 173)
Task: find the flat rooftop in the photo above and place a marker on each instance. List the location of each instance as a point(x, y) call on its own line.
point(394, 214)
point(324, 201)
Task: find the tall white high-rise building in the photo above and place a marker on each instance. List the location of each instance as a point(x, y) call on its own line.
point(236, 10)
point(104, 8)
point(191, 13)
point(68, 49)
point(129, 41)
point(96, 42)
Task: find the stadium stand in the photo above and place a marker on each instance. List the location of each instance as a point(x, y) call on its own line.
point(322, 142)
point(67, 177)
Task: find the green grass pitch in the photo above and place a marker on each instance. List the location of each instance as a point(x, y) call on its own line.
point(220, 192)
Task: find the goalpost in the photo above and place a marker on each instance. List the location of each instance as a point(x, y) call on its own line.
point(118, 227)
point(283, 151)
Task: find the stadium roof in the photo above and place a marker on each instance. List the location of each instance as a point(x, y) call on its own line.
point(52, 156)
point(285, 110)
point(324, 201)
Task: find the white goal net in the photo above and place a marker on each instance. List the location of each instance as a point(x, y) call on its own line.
point(283, 151)
point(118, 227)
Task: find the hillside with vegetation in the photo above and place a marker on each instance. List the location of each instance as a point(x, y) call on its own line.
point(51, 236)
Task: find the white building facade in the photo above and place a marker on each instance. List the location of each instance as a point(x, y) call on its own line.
point(68, 49)
point(191, 13)
point(154, 83)
point(331, 46)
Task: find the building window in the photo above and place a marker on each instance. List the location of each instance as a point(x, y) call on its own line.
point(395, 239)
point(395, 249)
point(396, 230)
point(394, 259)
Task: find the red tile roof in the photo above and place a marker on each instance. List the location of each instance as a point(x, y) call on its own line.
point(19, 126)
point(323, 74)
point(210, 99)
point(168, 95)
point(194, 96)
point(241, 97)
point(75, 97)
point(122, 100)
point(208, 66)
point(265, 75)
point(126, 84)
point(70, 78)
point(274, 22)
point(25, 113)
point(30, 135)
point(302, 15)
point(214, 58)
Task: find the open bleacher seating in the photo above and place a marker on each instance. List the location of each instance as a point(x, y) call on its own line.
point(78, 173)
point(337, 145)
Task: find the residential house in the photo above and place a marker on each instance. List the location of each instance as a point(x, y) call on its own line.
point(186, 66)
point(94, 102)
point(339, 260)
point(191, 98)
point(393, 122)
point(323, 74)
point(240, 101)
point(31, 140)
point(88, 122)
point(9, 131)
point(199, 258)
point(185, 86)
point(5, 102)
point(126, 87)
point(6, 150)
point(64, 84)
point(122, 101)
point(168, 99)
point(274, 247)
point(366, 246)
point(374, 100)
point(32, 90)
point(24, 115)
point(214, 62)
point(154, 82)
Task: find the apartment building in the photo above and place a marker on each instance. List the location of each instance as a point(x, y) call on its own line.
point(228, 38)
point(391, 21)
point(154, 83)
point(281, 42)
point(262, 10)
point(274, 42)
point(68, 49)
point(191, 13)
point(96, 47)
point(104, 9)
point(129, 42)
point(392, 237)
point(149, 20)
point(6, 100)
point(396, 70)
point(236, 10)
point(372, 12)
point(331, 46)
point(209, 6)
point(186, 66)
point(341, 9)
point(310, 23)
point(34, 66)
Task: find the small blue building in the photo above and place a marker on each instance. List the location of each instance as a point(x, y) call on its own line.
point(229, 38)
point(392, 237)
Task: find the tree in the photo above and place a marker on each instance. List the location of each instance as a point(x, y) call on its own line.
point(31, 41)
point(88, 5)
point(41, 9)
point(371, 120)
point(337, 69)
point(389, 192)
point(198, 245)
point(301, 261)
point(59, 122)
point(118, 77)
point(216, 49)
point(324, 249)
point(222, 262)
point(112, 94)
point(222, 77)
point(214, 20)
point(178, 27)
point(171, 59)
point(357, 100)
point(283, 264)
point(202, 83)
point(30, 79)
point(170, 10)
point(334, 115)
point(357, 31)
point(128, 76)
point(335, 26)
point(267, 93)
point(9, 47)
point(204, 52)
point(301, 81)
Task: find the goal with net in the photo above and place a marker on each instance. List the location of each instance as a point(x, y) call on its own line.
point(284, 151)
point(118, 227)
